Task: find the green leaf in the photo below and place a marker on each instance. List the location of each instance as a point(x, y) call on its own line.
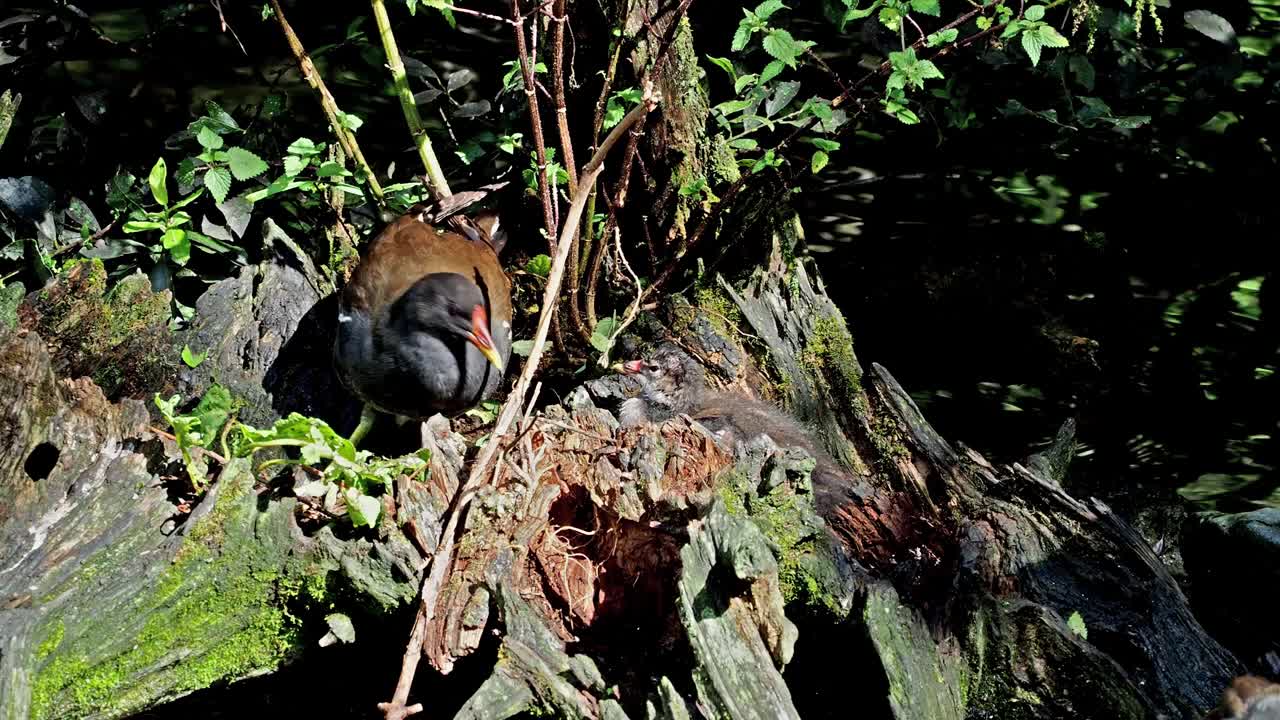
point(1050, 37)
point(158, 182)
point(539, 265)
point(771, 71)
point(244, 164)
point(294, 164)
point(218, 180)
point(923, 70)
point(983, 22)
point(220, 116)
point(1035, 13)
point(942, 37)
point(522, 347)
point(819, 161)
point(732, 107)
point(779, 44)
point(1210, 25)
point(305, 148)
point(1083, 71)
point(1031, 43)
point(766, 9)
point(928, 7)
point(748, 80)
point(741, 37)
point(746, 144)
point(1076, 623)
point(330, 168)
point(825, 144)
point(726, 65)
point(215, 406)
point(178, 244)
point(362, 509)
point(890, 18)
point(136, 226)
point(191, 359)
point(208, 139)
point(781, 97)
point(349, 121)
point(602, 333)
point(854, 13)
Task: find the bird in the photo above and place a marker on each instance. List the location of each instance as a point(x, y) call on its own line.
point(1249, 697)
point(424, 324)
point(673, 383)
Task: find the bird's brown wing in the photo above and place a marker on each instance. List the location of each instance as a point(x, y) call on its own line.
point(408, 249)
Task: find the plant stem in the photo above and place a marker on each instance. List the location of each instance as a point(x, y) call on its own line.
point(439, 185)
point(330, 106)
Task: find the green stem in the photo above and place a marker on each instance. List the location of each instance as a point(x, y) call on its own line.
point(439, 186)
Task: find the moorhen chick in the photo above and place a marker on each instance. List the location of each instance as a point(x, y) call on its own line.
point(424, 325)
point(672, 383)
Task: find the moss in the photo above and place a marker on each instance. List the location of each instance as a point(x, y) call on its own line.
point(233, 580)
point(52, 640)
point(720, 309)
point(829, 353)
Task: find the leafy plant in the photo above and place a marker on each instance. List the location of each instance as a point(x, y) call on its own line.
point(1034, 33)
point(196, 430)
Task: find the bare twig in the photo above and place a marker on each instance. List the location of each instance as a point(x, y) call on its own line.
point(330, 106)
point(226, 27)
point(439, 185)
point(535, 120)
point(442, 561)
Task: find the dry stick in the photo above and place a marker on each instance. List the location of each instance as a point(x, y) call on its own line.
point(312, 76)
point(439, 185)
point(535, 119)
point(619, 201)
point(442, 561)
point(560, 18)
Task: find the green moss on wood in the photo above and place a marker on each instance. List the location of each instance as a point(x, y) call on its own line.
point(233, 581)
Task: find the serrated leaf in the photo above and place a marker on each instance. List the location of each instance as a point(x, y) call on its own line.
point(825, 144)
point(923, 70)
point(305, 147)
point(341, 627)
point(208, 139)
point(819, 161)
point(781, 46)
point(218, 180)
point(942, 37)
point(330, 168)
point(928, 7)
point(539, 265)
point(1076, 623)
point(1035, 13)
point(890, 18)
point(1211, 26)
point(741, 37)
point(1050, 37)
point(294, 164)
point(983, 22)
point(349, 121)
point(1031, 43)
point(522, 347)
point(191, 359)
point(781, 97)
point(362, 509)
point(244, 164)
point(158, 182)
point(766, 9)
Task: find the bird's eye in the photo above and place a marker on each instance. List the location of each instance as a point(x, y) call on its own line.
point(653, 367)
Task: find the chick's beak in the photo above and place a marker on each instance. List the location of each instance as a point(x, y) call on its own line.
point(631, 367)
point(480, 337)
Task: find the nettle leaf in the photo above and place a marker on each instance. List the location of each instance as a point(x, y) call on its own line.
point(1050, 37)
point(244, 164)
point(330, 168)
point(218, 180)
point(767, 8)
point(928, 7)
point(779, 44)
point(742, 36)
point(305, 147)
point(890, 18)
point(922, 70)
point(1031, 43)
point(158, 183)
point(1035, 13)
point(1076, 623)
point(819, 161)
point(942, 37)
point(208, 139)
point(349, 121)
point(294, 164)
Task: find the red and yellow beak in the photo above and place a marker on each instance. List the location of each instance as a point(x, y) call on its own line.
point(480, 337)
point(631, 367)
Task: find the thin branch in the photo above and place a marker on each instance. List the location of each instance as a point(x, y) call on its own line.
point(560, 18)
point(535, 120)
point(439, 185)
point(442, 561)
point(312, 76)
point(619, 201)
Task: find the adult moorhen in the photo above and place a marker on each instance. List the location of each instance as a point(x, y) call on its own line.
point(424, 325)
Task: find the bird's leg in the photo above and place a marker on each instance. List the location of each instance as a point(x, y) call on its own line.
point(367, 415)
